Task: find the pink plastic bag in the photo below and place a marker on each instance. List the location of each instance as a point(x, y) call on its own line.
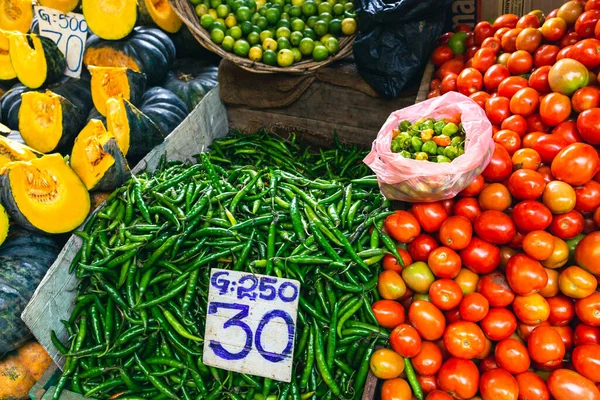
point(418, 181)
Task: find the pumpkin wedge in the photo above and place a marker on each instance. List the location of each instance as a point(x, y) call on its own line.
point(16, 15)
point(45, 195)
point(48, 121)
point(108, 82)
point(7, 72)
point(35, 59)
point(97, 159)
point(64, 6)
point(160, 13)
point(14, 151)
point(110, 19)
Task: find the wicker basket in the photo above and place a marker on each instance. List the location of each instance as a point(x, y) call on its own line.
point(187, 13)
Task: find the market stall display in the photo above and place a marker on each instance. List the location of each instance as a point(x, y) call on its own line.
point(20, 369)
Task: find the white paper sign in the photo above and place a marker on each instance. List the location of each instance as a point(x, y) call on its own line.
point(251, 323)
point(68, 31)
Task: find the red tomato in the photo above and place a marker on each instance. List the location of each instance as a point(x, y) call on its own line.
point(586, 23)
point(500, 165)
point(405, 340)
point(441, 54)
point(494, 76)
point(473, 307)
point(528, 21)
point(498, 324)
point(469, 81)
point(402, 226)
point(444, 263)
point(585, 334)
point(480, 98)
point(587, 52)
point(592, 5)
point(562, 310)
point(525, 275)
point(468, 207)
point(554, 29)
point(443, 39)
point(511, 85)
point(565, 384)
point(588, 197)
point(391, 263)
point(520, 62)
point(395, 389)
point(445, 294)
point(532, 387)
point(480, 256)
point(567, 225)
point(530, 215)
point(529, 39)
point(564, 53)
point(430, 216)
point(474, 187)
point(512, 356)
point(438, 395)
point(588, 123)
point(535, 124)
point(459, 378)
point(531, 309)
point(585, 98)
point(498, 384)
point(538, 245)
point(566, 335)
point(456, 232)
point(509, 40)
point(421, 247)
point(555, 108)
point(588, 309)
point(588, 251)
point(497, 109)
point(482, 31)
point(515, 123)
point(464, 339)
point(427, 319)
point(525, 102)
point(495, 227)
point(434, 93)
point(429, 360)
point(388, 313)
point(483, 59)
point(568, 131)
point(576, 164)
point(454, 66)
point(448, 83)
point(526, 184)
point(548, 146)
point(569, 39)
point(538, 79)
point(545, 345)
point(495, 288)
point(505, 21)
point(545, 56)
point(492, 43)
point(586, 360)
point(526, 159)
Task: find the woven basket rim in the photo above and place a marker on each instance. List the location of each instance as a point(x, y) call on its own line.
point(185, 11)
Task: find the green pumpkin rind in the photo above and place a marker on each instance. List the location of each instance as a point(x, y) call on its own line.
point(118, 173)
point(10, 104)
point(191, 80)
point(24, 260)
point(55, 59)
point(149, 48)
point(144, 134)
point(164, 108)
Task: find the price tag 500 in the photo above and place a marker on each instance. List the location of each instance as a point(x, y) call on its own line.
point(251, 323)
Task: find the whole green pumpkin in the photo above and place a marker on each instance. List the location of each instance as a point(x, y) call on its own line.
point(191, 80)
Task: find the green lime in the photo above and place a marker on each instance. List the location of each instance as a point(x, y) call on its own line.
point(220, 21)
point(195, 2)
point(215, 3)
point(272, 30)
point(251, 4)
point(318, 43)
point(246, 27)
point(236, 32)
point(262, 23)
point(256, 28)
point(283, 23)
point(201, 10)
point(285, 58)
point(320, 53)
point(325, 8)
point(295, 12)
point(286, 8)
point(349, 6)
point(338, 9)
point(309, 33)
point(457, 43)
point(230, 3)
point(306, 46)
point(206, 21)
point(280, 3)
point(218, 26)
point(264, 35)
point(283, 43)
point(243, 14)
point(332, 45)
point(335, 26)
point(332, 2)
point(309, 8)
point(269, 57)
point(296, 38)
point(254, 18)
point(273, 15)
point(228, 43)
point(322, 39)
point(321, 28)
point(348, 26)
point(277, 7)
point(253, 38)
point(298, 25)
point(217, 36)
point(241, 48)
point(222, 11)
point(237, 4)
point(255, 54)
point(282, 32)
point(263, 11)
point(325, 17)
point(311, 21)
point(269, 44)
point(297, 54)
point(297, 3)
point(284, 16)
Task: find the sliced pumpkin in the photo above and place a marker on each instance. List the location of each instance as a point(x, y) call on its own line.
point(110, 19)
point(64, 6)
point(7, 72)
point(108, 82)
point(36, 59)
point(136, 134)
point(4, 224)
point(14, 151)
point(16, 15)
point(48, 121)
point(45, 194)
point(160, 13)
point(97, 159)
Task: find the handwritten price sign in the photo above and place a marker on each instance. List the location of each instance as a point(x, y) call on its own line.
point(251, 323)
point(68, 31)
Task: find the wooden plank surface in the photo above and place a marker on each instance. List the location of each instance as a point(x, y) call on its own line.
point(54, 298)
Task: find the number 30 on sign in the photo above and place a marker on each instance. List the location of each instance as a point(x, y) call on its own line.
point(251, 323)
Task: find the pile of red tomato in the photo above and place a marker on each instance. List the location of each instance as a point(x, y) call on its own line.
point(497, 295)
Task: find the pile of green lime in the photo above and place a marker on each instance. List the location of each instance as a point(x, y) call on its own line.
point(277, 32)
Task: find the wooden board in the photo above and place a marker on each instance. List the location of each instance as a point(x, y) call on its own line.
point(54, 298)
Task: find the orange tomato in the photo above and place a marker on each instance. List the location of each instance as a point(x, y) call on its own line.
point(427, 319)
point(386, 364)
point(577, 283)
point(531, 309)
point(464, 339)
point(388, 313)
point(396, 389)
point(538, 244)
point(559, 256)
point(391, 286)
point(428, 360)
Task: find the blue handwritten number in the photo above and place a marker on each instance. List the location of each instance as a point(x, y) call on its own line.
point(63, 18)
point(268, 355)
point(217, 348)
point(59, 34)
point(247, 292)
point(265, 282)
point(77, 46)
point(221, 284)
point(283, 297)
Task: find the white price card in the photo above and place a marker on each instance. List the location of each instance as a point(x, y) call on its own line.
point(251, 323)
point(68, 31)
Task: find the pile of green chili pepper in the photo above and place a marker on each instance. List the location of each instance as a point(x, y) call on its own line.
point(253, 203)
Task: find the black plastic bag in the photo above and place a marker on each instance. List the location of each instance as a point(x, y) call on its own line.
point(395, 40)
